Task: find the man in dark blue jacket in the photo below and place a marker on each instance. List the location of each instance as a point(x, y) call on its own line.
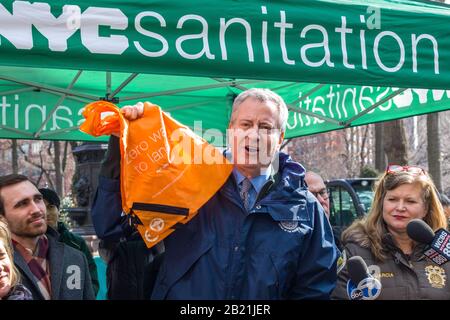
point(261, 236)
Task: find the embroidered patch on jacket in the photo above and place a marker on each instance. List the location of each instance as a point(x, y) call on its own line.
point(342, 260)
point(436, 276)
point(289, 226)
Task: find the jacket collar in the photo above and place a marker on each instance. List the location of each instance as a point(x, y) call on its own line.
point(398, 254)
point(55, 255)
point(20, 262)
point(284, 183)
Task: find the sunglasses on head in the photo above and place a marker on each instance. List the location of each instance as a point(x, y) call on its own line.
point(395, 168)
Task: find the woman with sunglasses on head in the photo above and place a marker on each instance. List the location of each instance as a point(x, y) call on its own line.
point(397, 266)
point(10, 288)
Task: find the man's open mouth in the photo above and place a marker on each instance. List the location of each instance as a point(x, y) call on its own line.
point(251, 149)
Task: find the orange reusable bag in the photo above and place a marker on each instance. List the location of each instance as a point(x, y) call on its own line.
point(167, 172)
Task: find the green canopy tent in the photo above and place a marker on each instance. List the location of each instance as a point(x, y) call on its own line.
point(337, 63)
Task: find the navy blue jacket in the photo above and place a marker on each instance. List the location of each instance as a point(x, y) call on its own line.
point(282, 248)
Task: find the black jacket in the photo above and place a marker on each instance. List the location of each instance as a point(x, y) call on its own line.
point(132, 269)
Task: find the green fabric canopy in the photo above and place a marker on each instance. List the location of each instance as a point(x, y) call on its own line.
point(336, 63)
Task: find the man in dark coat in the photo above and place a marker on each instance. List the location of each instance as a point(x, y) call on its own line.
point(261, 236)
point(49, 268)
point(53, 203)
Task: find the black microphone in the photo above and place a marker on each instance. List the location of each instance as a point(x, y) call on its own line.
point(439, 242)
point(420, 231)
point(357, 269)
point(362, 285)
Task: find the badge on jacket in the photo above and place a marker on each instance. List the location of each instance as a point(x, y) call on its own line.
point(436, 276)
point(289, 226)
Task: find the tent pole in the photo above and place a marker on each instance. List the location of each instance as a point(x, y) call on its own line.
point(242, 88)
point(281, 87)
point(50, 88)
point(123, 84)
point(16, 131)
point(108, 84)
point(348, 122)
point(69, 97)
point(290, 105)
point(245, 88)
point(49, 133)
point(285, 86)
point(310, 92)
point(60, 100)
point(189, 105)
point(176, 91)
point(312, 114)
point(307, 112)
point(5, 93)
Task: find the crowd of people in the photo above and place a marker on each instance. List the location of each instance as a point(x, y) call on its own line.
point(264, 234)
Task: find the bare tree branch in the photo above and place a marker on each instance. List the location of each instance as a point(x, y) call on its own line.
point(36, 165)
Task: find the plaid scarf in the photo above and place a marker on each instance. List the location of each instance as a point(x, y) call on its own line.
point(38, 264)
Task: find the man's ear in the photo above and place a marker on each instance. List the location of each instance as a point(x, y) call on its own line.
point(281, 138)
point(230, 123)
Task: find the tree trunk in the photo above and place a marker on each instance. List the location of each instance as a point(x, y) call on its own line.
point(363, 153)
point(64, 159)
point(434, 149)
point(14, 156)
point(58, 171)
point(395, 143)
point(380, 155)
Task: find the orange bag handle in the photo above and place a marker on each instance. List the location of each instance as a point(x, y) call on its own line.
point(95, 125)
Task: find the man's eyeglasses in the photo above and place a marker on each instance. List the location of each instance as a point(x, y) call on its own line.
point(395, 168)
point(323, 193)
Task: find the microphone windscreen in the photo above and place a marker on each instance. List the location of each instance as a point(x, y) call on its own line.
point(420, 231)
point(357, 269)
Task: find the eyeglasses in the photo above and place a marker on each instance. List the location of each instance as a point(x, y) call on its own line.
point(395, 168)
point(323, 193)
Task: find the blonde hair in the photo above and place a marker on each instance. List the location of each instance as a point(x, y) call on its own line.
point(374, 227)
point(5, 237)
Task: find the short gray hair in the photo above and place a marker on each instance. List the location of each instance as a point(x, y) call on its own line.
point(264, 95)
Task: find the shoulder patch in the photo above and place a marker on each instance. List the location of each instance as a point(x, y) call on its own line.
point(342, 260)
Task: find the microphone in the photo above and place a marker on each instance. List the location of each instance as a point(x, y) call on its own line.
point(439, 242)
point(361, 285)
